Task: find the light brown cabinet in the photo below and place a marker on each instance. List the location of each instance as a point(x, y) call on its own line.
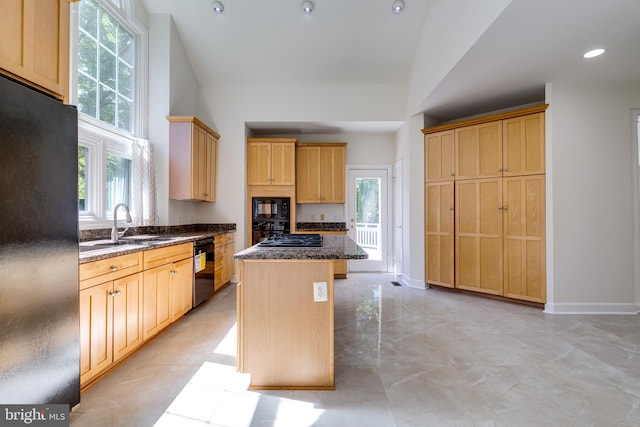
point(192, 159)
point(35, 44)
point(439, 157)
point(478, 212)
point(479, 150)
point(498, 195)
point(110, 313)
point(320, 169)
point(271, 161)
point(167, 288)
point(224, 263)
point(524, 237)
point(523, 142)
point(439, 236)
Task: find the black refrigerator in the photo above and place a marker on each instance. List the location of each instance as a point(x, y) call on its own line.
point(39, 326)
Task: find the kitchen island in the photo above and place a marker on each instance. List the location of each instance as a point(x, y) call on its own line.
point(285, 313)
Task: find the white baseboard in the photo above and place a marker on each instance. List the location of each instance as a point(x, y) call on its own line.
point(590, 308)
point(412, 283)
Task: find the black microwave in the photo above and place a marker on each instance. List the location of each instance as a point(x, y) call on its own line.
point(270, 208)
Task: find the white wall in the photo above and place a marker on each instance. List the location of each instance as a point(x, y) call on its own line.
point(442, 44)
point(173, 90)
point(410, 149)
point(590, 196)
point(227, 109)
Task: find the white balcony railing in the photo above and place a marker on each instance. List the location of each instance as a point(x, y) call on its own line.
point(368, 235)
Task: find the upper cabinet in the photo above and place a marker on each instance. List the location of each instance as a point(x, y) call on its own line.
point(479, 150)
point(439, 156)
point(507, 144)
point(271, 161)
point(523, 142)
point(320, 172)
point(192, 159)
point(35, 44)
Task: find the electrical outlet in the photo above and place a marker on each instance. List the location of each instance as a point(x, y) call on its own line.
point(321, 217)
point(320, 292)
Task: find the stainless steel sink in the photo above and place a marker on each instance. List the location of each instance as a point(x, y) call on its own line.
point(131, 240)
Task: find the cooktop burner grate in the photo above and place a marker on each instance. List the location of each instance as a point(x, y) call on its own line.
point(293, 241)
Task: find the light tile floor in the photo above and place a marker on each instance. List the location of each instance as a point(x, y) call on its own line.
point(404, 357)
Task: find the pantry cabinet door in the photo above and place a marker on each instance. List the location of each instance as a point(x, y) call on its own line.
point(478, 151)
point(524, 238)
point(524, 145)
point(439, 157)
point(439, 254)
point(479, 263)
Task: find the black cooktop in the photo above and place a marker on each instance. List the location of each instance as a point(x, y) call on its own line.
point(293, 241)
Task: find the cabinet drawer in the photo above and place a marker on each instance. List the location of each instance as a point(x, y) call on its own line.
point(166, 255)
point(104, 270)
point(220, 240)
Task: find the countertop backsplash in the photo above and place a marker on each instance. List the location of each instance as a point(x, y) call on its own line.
point(321, 226)
point(105, 233)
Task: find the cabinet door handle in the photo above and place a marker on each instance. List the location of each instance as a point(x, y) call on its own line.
point(504, 208)
point(174, 272)
point(502, 170)
point(113, 268)
point(115, 293)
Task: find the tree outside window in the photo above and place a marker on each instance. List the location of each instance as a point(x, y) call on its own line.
point(106, 55)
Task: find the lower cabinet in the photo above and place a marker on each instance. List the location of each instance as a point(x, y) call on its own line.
point(439, 219)
point(110, 324)
point(168, 287)
point(498, 246)
point(122, 306)
point(224, 263)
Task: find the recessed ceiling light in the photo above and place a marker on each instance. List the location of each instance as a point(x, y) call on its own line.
point(307, 7)
point(593, 53)
point(397, 6)
point(217, 7)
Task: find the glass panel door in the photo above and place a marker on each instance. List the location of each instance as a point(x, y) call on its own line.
point(367, 217)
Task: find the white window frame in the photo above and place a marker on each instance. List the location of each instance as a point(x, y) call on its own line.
point(100, 137)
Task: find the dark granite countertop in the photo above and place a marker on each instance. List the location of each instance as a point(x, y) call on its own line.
point(170, 235)
point(321, 226)
point(335, 246)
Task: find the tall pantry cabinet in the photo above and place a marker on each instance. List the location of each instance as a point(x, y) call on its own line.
point(485, 205)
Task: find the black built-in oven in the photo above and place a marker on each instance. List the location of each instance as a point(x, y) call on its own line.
point(270, 216)
point(203, 270)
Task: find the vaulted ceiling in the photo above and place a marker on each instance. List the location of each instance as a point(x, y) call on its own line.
point(361, 41)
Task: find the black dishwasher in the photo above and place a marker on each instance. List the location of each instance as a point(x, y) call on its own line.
point(203, 270)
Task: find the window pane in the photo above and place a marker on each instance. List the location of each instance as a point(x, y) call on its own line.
point(88, 20)
point(118, 181)
point(124, 113)
point(87, 55)
point(87, 95)
point(107, 105)
point(106, 52)
point(126, 46)
point(107, 68)
point(108, 27)
point(125, 80)
point(83, 154)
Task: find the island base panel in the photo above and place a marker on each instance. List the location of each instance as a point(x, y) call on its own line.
point(285, 336)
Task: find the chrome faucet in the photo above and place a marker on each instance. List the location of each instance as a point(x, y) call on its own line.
point(115, 234)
